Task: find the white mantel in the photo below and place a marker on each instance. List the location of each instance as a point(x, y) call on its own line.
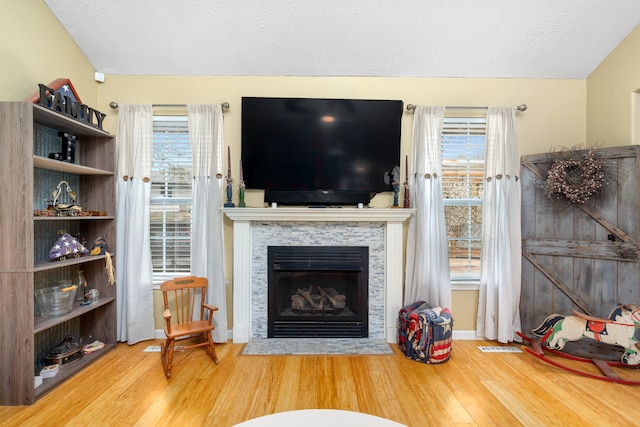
point(242, 219)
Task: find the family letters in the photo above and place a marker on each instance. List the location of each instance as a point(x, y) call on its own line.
point(55, 101)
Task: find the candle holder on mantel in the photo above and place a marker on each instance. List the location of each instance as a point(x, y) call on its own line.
point(407, 197)
point(229, 203)
point(241, 187)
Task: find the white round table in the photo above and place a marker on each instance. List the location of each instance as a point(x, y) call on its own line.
point(319, 418)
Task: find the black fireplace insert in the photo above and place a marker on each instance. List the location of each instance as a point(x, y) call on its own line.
point(318, 291)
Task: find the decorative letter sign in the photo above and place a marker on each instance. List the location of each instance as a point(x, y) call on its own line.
point(60, 96)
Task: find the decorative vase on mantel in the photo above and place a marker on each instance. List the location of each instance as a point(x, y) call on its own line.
point(241, 188)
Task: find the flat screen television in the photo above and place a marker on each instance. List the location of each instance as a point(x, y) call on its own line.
point(310, 151)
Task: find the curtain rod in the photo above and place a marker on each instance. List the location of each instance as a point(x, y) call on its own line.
point(521, 107)
point(114, 105)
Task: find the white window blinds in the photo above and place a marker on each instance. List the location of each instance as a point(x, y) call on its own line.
point(463, 153)
point(171, 178)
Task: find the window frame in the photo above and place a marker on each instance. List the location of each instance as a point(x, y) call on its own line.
point(470, 279)
point(163, 202)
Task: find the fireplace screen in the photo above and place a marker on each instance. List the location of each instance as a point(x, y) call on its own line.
point(318, 291)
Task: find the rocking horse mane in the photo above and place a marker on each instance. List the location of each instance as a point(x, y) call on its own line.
point(547, 324)
point(623, 313)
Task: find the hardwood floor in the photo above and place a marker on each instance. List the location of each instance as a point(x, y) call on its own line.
point(127, 387)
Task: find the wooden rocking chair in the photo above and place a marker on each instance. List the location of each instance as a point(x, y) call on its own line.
point(184, 298)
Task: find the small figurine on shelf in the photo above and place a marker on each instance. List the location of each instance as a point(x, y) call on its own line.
point(407, 197)
point(392, 178)
point(241, 187)
point(65, 209)
point(229, 203)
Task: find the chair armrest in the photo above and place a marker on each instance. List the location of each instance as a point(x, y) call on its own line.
point(210, 307)
point(167, 317)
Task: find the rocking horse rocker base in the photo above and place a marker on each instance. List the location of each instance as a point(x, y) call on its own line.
point(621, 328)
point(605, 366)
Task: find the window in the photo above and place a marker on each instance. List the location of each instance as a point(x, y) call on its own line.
point(170, 211)
point(463, 151)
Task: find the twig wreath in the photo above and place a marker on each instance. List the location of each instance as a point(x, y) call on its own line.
point(576, 178)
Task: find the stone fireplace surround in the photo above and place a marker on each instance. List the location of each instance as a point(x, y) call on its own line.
point(256, 228)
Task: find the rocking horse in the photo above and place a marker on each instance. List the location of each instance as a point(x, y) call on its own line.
point(621, 328)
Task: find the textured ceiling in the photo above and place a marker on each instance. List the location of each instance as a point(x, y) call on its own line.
point(410, 38)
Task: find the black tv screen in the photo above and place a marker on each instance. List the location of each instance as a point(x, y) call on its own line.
point(327, 145)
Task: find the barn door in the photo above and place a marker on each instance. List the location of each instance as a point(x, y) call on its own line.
point(582, 257)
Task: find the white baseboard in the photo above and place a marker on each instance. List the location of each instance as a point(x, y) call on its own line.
point(465, 335)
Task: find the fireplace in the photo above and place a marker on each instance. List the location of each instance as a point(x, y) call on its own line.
point(255, 229)
point(317, 291)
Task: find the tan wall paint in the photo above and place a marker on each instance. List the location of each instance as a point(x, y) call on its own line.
point(555, 117)
point(35, 48)
point(613, 109)
point(556, 113)
point(464, 307)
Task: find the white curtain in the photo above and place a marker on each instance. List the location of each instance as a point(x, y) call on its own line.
point(501, 263)
point(134, 142)
point(207, 245)
point(427, 269)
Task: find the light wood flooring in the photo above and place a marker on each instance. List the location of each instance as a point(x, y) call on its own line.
point(127, 387)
